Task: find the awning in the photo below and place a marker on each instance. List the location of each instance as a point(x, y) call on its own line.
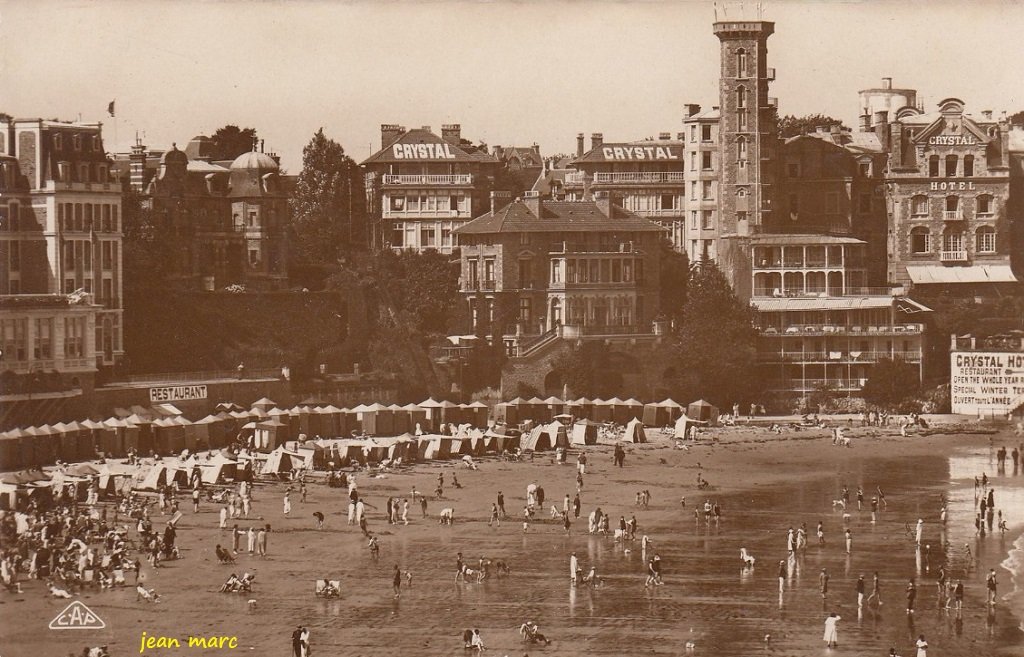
point(937, 274)
point(772, 304)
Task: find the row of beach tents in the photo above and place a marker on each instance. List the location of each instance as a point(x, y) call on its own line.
point(654, 414)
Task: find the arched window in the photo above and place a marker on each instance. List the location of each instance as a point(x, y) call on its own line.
point(741, 97)
point(933, 166)
point(985, 239)
point(919, 205)
point(985, 204)
point(951, 165)
point(920, 240)
point(952, 240)
point(968, 166)
point(741, 148)
point(741, 63)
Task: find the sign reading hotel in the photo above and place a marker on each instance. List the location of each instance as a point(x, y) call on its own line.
point(176, 393)
point(423, 152)
point(986, 383)
point(638, 153)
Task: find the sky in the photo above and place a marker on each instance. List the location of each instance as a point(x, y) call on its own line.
point(511, 73)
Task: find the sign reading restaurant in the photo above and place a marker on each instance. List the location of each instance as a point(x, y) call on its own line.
point(176, 393)
point(986, 383)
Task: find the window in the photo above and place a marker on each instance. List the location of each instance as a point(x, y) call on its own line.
point(427, 237)
point(472, 270)
point(524, 309)
point(741, 63)
point(951, 165)
point(952, 241)
point(87, 255)
point(865, 168)
point(58, 141)
point(705, 132)
point(952, 203)
point(252, 218)
point(88, 216)
point(986, 240)
point(707, 221)
point(76, 141)
point(43, 349)
point(693, 220)
point(108, 255)
point(985, 204)
point(832, 203)
point(525, 273)
point(741, 97)
point(397, 203)
point(864, 202)
point(69, 255)
point(706, 190)
point(69, 285)
point(693, 190)
point(14, 255)
point(933, 166)
point(693, 134)
point(741, 216)
point(453, 203)
point(446, 236)
point(396, 237)
point(919, 206)
point(705, 160)
point(793, 169)
point(968, 166)
point(254, 257)
point(489, 271)
point(741, 120)
point(412, 203)
point(920, 240)
point(668, 202)
point(741, 149)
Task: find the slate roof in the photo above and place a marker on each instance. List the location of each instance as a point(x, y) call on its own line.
point(461, 153)
point(557, 216)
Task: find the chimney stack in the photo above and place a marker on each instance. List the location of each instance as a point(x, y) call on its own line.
point(533, 203)
point(680, 136)
point(498, 199)
point(499, 152)
point(390, 133)
point(865, 122)
point(596, 139)
point(452, 133)
point(692, 109)
point(987, 114)
point(579, 144)
point(664, 136)
point(887, 83)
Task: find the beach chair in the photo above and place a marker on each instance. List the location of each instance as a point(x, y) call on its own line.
point(88, 576)
point(118, 577)
point(106, 561)
point(320, 589)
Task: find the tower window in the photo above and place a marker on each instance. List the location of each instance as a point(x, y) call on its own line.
point(741, 149)
point(741, 97)
point(741, 63)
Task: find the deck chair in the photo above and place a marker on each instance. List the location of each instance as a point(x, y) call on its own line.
point(106, 561)
point(88, 576)
point(118, 577)
point(321, 587)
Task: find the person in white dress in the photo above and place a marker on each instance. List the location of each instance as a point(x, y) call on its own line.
point(574, 566)
point(831, 636)
point(922, 646)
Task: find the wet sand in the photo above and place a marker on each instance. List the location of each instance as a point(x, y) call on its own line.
point(765, 483)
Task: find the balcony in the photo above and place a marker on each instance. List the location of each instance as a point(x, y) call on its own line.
point(850, 291)
point(638, 178)
point(819, 357)
point(953, 256)
point(64, 186)
point(810, 385)
point(824, 330)
point(952, 215)
point(574, 178)
point(429, 179)
point(574, 247)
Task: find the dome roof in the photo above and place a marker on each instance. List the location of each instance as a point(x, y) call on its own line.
point(254, 160)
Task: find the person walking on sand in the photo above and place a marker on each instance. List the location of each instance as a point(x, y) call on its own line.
point(823, 582)
point(875, 590)
point(860, 498)
point(831, 636)
point(922, 646)
point(860, 592)
point(821, 533)
point(252, 540)
point(405, 511)
point(911, 596)
point(849, 541)
point(881, 497)
point(574, 567)
point(396, 581)
point(235, 534)
point(919, 532)
point(990, 584)
point(287, 501)
point(261, 540)
point(494, 515)
point(782, 576)
point(501, 504)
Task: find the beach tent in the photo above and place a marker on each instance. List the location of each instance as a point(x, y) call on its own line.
point(434, 447)
point(584, 432)
point(634, 432)
point(432, 408)
point(544, 437)
point(399, 419)
point(160, 474)
point(635, 408)
point(601, 411)
point(228, 406)
point(656, 415)
point(559, 434)
point(702, 411)
point(554, 406)
point(378, 420)
point(620, 411)
point(10, 448)
point(263, 404)
point(537, 409)
point(675, 409)
point(268, 434)
point(313, 455)
point(281, 461)
point(477, 414)
point(683, 423)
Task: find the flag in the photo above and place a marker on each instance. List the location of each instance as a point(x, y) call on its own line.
point(110, 108)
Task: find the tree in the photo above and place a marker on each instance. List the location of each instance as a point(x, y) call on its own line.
point(148, 245)
point(716, 342)
point(1017, 119)
point(328, 205)
point(792, 126)
point(675, 275)
point(892, 383)
point(231, 141)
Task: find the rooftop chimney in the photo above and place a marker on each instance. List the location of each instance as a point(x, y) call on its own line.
point(692, 109)
point(680, 136)
point(499, 199)
point(451, 133)
point(664, 135)
point(603, 200)
point(137, 166)
point(425, 128)
point(836, 129)
point(579, 144)
point(499, 152)
point(865, 122)
point(389, 134)
point(596, 139)
point(536, 149)
point(987, 114)
point(887, 83)
point(533, 203)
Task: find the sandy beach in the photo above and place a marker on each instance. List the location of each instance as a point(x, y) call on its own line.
point(764, 483)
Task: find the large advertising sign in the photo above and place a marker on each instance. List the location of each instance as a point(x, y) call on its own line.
point(641, 153)
point(176, 393)
point(986, 382)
